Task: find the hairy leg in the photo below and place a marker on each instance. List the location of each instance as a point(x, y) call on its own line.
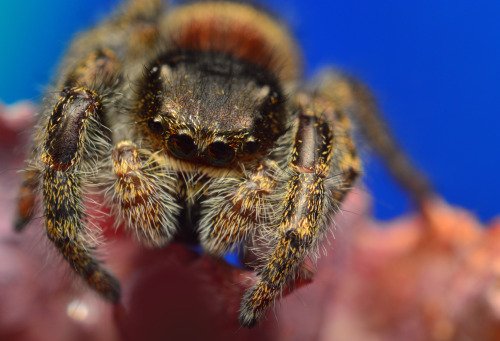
point(355, 98)
point(73, 134)
point(235, 210)
point(97, 72)
point(73, 126)
point(143, 194)
point(27, 198)
point(321, 170)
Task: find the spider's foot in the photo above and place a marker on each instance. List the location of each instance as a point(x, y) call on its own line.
point(255, 303)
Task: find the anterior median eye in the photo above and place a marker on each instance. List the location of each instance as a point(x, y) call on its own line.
point(182, 145)
point(220, 153)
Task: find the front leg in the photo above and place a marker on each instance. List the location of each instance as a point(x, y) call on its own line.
point(74, 126)
point(143, 195)
point(320, 171)
point(71, 142)
point(73, 135)
point(235, 210)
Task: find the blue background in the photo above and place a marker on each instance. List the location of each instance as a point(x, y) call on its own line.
point(433, 64)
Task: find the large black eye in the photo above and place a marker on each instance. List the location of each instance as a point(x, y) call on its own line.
point(182, 145)
point(220, 153)
point(156, 125)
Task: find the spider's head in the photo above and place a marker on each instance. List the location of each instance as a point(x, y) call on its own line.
point(214, 110)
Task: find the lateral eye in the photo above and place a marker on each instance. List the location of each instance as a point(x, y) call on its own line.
point(251, 146)
point(156, 125)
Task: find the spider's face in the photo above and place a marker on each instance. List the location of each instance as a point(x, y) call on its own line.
point(211, 111)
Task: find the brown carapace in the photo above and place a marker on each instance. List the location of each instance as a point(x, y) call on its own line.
point(195, 125)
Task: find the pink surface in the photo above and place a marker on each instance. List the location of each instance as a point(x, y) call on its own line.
point(430, 277)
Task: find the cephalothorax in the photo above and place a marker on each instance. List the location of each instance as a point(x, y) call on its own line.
point(196, 125)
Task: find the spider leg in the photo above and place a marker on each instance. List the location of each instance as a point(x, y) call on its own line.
point(322, 168)
point(234, 210)
point(73, 137)
point(143, 192)
point(73, 140)
point(27, 198)
point(355, 98)
point(97, 72)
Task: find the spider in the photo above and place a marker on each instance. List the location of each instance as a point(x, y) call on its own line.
point(196, 125)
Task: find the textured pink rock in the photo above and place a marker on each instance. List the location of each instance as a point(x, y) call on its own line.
point(433, 276)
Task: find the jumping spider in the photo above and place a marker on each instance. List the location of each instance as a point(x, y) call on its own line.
point(196, 125)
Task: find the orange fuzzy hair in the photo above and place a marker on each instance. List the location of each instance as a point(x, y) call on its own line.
point(239, 30)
